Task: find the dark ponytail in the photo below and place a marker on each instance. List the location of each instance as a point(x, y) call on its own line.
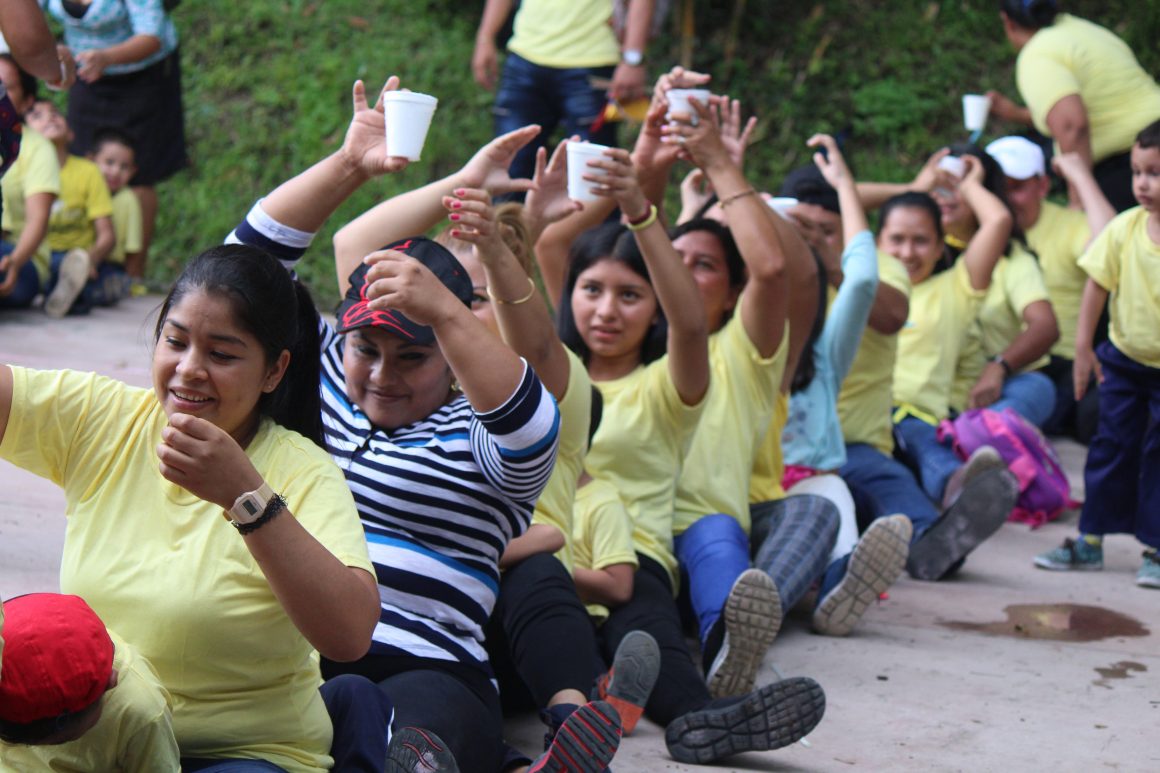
point(806, 367)
point(1030, 14)
point(278, 311)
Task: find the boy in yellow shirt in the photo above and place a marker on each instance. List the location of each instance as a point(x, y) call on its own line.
point(74, 697)
point(114, 155)
point(1123, 491)
point(80, 229)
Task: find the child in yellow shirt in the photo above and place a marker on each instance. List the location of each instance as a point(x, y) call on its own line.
point(114, 155)
point(1123, 491)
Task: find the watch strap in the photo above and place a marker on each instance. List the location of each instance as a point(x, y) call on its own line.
point(249, 506)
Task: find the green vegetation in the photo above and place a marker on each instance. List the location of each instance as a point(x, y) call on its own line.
point(267, 88)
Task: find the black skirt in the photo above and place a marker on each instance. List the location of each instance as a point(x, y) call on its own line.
point(146, 106)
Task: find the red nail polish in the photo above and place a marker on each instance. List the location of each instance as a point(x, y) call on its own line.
point(456, 204)
point(460, 191)
point(454, 215)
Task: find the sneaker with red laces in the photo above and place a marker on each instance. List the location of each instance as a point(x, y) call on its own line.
point(630, 681)
point(584, 743)
point(419, 751)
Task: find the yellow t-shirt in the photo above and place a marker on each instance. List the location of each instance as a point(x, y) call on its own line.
point(36, 170)
point(865, 400)
point(172, 576)
point(565, 33)
point(716, 472)
point(1074, 56)
point(941, 309)
point(1125, 261)
point(602, 533)
point(1016, 283)
point(84, 197)
point(554, 506)
point(769, 465)
point(126, 226)
point(133, 735)
point(644, 434)
point(1059, 237)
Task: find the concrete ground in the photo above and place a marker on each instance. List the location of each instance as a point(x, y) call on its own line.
point(1003, 668)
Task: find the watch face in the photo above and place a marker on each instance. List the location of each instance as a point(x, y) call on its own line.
point(633, 57)
point(251, 507)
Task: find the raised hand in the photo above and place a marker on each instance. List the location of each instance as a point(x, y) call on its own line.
point(547, 200)
point(205, 460)
point(488, 168)
point(831, 163)
point(398, 281)
point(615, 178)
point(928, 177)
point(735, 138)
point(701, 143)
point(474, 222)
point(365, 146)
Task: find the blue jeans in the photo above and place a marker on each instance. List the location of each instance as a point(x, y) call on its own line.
point(1120, 477)
point(550, 97)
point(361, 714)
point(27, 283)
point(935, 461)
point(713, 553)
point(1031, 395)
point(886, 486)
point(792, 538)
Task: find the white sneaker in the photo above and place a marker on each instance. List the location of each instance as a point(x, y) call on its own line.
point(71, 279)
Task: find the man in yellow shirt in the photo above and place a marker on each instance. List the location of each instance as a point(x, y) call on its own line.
point(563, 63)
point(75, 697)
point(1058, 236)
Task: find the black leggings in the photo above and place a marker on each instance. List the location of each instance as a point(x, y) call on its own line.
point(680, 688)
point(540, 638)
point(456, 702)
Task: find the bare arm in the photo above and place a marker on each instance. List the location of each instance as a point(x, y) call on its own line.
point(1099, 211)
point(890, 310)
point(990, 241)
point(91, 64)
point(5, 397)
point(1003, 108)
point(539, 538)
point(105, 239)
point(29, 39)
point(1068, 123)
point(1090, 308)
point(37, 210)
point(485, 58)
point(611, 585)
point(1034, 341)
point(873, 194)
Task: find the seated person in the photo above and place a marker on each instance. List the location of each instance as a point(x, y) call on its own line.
point(80, 230)
point(74, 696)
point(30, 189)
point(1059, 236)
point(114, 155)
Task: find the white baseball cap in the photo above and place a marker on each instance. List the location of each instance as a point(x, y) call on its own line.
point(1020, 158)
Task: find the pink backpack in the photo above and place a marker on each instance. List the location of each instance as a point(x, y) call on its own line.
point(1044, 491)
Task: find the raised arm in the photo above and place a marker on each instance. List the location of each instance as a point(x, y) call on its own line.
point(524, 321)
point(990, 241)
point(419, 210)
point(873, 195)
point(32, 45)
point(1097, 208)
point(688, 335)
point(1068, 123)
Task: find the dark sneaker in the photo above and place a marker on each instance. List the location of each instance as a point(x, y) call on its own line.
point(770, 717)
point(877, 561)
point(585, 743)
point(627, 685)
point(752, 618)
point(1072, 554)
point(982, 507)
point(984, 459)
point(418, 751)
point(1149, 574)
point(71, 279)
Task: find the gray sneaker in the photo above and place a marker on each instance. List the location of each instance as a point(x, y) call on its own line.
point(752, 617)
point(70, 280)
point(770, 717)
point(982, 507)
point(877, 561)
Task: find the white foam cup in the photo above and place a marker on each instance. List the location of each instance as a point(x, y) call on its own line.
point(579, 154)
point(408, 116)
point(679, 101)
point(975, 110)
point(782, 205)
point(953, 164)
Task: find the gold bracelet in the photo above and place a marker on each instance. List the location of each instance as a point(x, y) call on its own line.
point(652, 218)
point(730, 199)
point(525, 299)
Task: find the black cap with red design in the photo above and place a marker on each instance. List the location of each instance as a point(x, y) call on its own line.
point(355, 311)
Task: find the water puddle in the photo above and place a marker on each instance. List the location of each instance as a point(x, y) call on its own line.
point(1058, 622)
point(1121, 670)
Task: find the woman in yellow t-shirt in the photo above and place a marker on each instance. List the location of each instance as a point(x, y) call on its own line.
point(943, 303)
point(1083, 87)
point(230, 618)
point(1015, 326)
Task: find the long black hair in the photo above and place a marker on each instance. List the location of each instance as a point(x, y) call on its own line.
point(995, 181)
point(278, 311)
point(608, 241)
point(1030, 14)
point(806, 367)
point(924, 202)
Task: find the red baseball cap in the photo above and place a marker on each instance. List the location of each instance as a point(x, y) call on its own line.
point(57, 657)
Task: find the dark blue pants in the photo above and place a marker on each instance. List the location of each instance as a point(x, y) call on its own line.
point(27, 283)
point(361, 714)
point(1122, 475)
point(885, 486)
point(551, 97)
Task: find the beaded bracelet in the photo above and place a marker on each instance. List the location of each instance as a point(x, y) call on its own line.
point(518, 301)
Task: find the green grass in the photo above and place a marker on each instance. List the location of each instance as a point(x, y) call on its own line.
point(267, 89)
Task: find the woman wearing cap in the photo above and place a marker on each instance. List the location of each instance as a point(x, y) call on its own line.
point(446, 438)
point(1083, 87)
point(230, 616)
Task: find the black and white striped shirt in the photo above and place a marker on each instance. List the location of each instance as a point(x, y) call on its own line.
point(439, 499)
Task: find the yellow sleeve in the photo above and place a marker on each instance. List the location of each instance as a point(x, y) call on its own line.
point(41, 169)
point(1043, 78)
point(1024, 281)
point(1101, 260)
point(98, 202)
point(670, 412)
point(610, 533)
point(891, 272)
